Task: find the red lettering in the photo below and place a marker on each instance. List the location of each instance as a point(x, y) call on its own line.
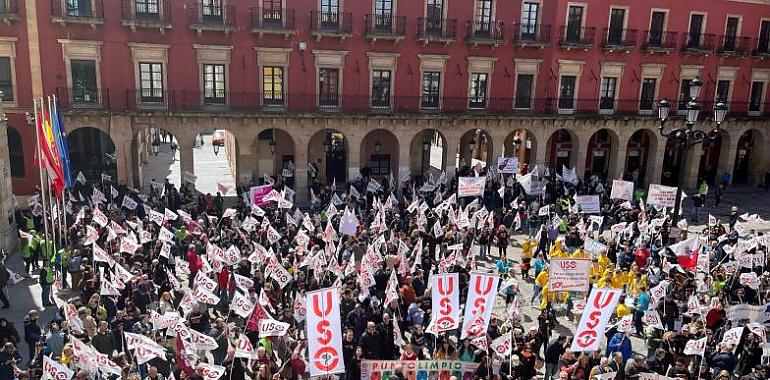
point(487, 288)
point(327, 305)
point(450, 285)
point(593, 319)
point(603, 298)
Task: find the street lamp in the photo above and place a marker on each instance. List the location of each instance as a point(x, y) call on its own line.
point(688, 137)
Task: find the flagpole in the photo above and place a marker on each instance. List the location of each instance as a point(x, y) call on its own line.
point(42, 175)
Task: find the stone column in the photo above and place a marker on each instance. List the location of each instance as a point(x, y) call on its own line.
point(580, 154)
point(301, 183)
point(693, 164)
point(121, 134)
point(655, 161)
point(617, 159)
point(354, 158)
point(727, 155)
point(186, 155)
point(452, 146)
point(404, 157)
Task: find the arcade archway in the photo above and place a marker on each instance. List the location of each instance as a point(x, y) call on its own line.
point(428, 153)
point(276, 155)
point(748, 158)
point(521, 144)
point(92, 152)
point(476, 150)
point(379, 154)
point(328, 155)
point(157, 153)
point(215, 152)
point(562, 146)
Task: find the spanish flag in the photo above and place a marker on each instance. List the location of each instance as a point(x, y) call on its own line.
point(50, 155)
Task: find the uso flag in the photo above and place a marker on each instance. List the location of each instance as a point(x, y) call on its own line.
point(482, 290)
point(445, 295)
point(324, 332)
point(599, 307)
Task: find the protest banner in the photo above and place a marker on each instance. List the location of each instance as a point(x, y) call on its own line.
point(598, 310)
point(589, 204)
point(417, 369)
point(569, 275)
point(471, 186)
point(324, 332)
point(593, 247)
point(622, 190)
point(508, 165)
point(445, 301)
point(257, 195)
point(482, 289)
point(663, 196)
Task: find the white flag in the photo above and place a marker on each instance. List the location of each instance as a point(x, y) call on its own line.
point(695, 347)
point(81, 178)
point(55, 371)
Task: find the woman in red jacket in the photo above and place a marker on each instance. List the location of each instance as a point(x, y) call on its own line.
point(194, 263)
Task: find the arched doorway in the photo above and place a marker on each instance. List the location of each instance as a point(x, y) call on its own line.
point(599, 158)
point(16, 153)
point(327, 153)
point(638, 156)
point(275, 155)
point(157, 152)
point(215, 153)
point(671, 160)
point(428, 154)
point(92, 152)
point(522, 145)
point(476, 150)
point(747, 167)
point(710, 152)
point(561, 150)
point(379, 154)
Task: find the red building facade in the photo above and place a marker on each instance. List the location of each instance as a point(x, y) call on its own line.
point(554, 82)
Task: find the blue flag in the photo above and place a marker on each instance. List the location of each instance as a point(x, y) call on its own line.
point(61, 144)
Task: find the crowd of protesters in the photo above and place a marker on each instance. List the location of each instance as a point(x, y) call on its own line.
point(106, 300)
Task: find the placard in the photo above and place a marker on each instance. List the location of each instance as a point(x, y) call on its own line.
point(569, 275)
point(589, 204)
point(622, 190)
point(257, 195)
point(663, 196)
point(508, 165)
point(471, 186)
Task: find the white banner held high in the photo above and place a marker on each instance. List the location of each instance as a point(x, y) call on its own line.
point(598, 310)
point(482, 289)
point(568, 275)
point(471, 186)
point(622, 190)
point(663, 196)
point(445, 297)
point(324, 332)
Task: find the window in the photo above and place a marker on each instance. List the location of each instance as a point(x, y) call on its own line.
point(657, 22)
point(272, 85)
point(151, 82)
point(478, 90)
point(431, 89)
point(211, 10)
point(696, 28)
point(214, 84)
point(79, 8)
point(434, 16)
point(380, 164)
point(731, 33)
point(328, 82)
point(272, 12)
point(647, 97)
point(755, 99)
point(764, 37)
point(723, 91)
point(330, 10)
point(16, 153)
point(6, 79)
point(574, 23)
point(530, 13)
point(567, 92)
point(84, 81)
point(615, 32)
point(523, 91)
point(381, 88)
point(383, 14)
point(607, 94)
point(684, 94)
point(483, 17)
point(146, 7)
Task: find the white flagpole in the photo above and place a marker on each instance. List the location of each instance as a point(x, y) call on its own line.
point(42, 175)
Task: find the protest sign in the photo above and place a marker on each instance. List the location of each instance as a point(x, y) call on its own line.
point(663, 196)
point(589, 204)
point(508, 165)
point(569, 275)
point(257, 195)
point(417, 369)
point(598, 310)
point(471, 186)
point(622, 190)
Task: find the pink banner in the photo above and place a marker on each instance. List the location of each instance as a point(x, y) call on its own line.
point(258, 194)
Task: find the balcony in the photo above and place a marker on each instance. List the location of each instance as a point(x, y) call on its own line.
point(9, 11)
point(659, 42)
point(331, 24)
point(89, 12)
point(211, 17)
point(491, 33)
point(577, 37)
point(149, 99)
point(384, 27)
point(531, 35)
point(619, 39)
point(272, 21)
point(436, 30)
point(698, 43)
point(761, 48)
point(734, 46)
point(145, 15)
point(84, 98)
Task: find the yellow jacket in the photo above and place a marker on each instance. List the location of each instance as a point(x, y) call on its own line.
point(542, 279)
point(580, 254)
point(547, 297)
point(622, 310)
